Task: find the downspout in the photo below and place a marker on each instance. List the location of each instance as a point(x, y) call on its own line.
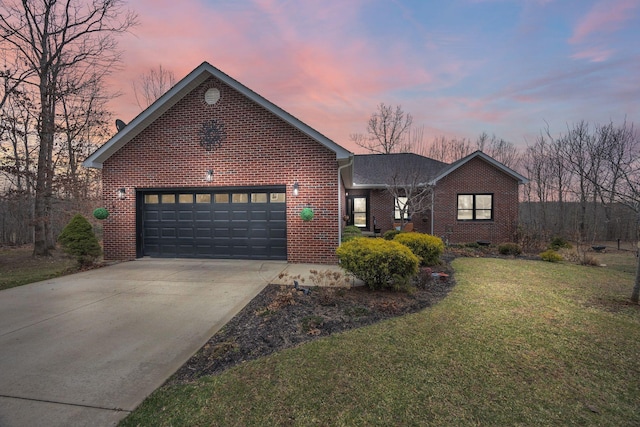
point(433, 191)
point(340, 198)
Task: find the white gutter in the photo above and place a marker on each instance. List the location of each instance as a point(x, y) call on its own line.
point(340, 198)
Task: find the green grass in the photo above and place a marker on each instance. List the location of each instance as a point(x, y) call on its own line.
point(18, 267)
point(516, 343)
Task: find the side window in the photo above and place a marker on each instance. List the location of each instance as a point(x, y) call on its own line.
point(475, 207)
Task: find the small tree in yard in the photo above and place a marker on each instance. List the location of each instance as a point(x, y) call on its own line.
point(79, 240)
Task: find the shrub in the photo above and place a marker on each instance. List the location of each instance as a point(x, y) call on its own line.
point(509, 249)
point(559, 243)
point(551, 256)
point(590, 260)
point(390, 234)
point(379, 263)
point(350, 232)
point(427, 247)
point(78, 240)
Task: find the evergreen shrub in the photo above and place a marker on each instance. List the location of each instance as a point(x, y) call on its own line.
point(79, 240)
point(350, 232)
point(509, 249)
point(427, 247)
point(379, 263)
point(551, 256)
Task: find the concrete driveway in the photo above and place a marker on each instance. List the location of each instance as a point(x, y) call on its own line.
point(86, 349)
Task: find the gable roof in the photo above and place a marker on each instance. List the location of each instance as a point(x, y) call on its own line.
point(378, 170)
point(458, 163)
point(179, 91)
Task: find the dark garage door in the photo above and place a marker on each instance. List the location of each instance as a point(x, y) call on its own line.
point(247, 223)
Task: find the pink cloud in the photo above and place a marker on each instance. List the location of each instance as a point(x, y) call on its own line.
point(594, 54)
point(605, 16)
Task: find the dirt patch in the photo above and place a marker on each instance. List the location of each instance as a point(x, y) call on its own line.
point(281, 317)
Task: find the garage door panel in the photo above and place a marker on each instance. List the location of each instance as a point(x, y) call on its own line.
point(185, 216)
point(243, 224)
point(186, 233)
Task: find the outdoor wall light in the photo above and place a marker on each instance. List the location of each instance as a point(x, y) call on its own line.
point(296, 188)
point(122, 192)
point(209, 175)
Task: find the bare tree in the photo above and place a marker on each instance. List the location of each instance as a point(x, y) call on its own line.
point(84, 122)
point(61, 46)
point(503, 151)
point(386, 131)
point(152, 85)
point(447, 150)
point(621, 154)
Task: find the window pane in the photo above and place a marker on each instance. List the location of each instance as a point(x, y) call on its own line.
point(359, 204)
point(258, 197)
point(203, 198)
point(221, 198)
point(239, 198)
point(151, 199)
point(483, 201)
point(277, 197)
point(185, 198)
point(465, 201)
point(465, 214)
point(168, 198)
point(483, 214)
point(400, 203)
point(360, 219)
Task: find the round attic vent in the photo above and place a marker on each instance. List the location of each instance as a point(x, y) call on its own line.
point(211, 96)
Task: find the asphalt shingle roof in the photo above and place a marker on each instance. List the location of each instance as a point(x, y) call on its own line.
point(381, 169)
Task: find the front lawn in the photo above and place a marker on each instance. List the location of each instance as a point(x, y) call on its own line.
point(515, 343)
point(18, 267)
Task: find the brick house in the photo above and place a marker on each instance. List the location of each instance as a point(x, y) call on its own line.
point(473, 199)
point(214, 170)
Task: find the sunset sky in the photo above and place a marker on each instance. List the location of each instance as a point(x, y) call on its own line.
point(460, 67)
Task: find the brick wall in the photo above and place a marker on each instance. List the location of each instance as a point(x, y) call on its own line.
point(260, 150)
point(476, 176)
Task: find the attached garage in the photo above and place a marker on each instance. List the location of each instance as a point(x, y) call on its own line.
point(244, 223)
point(214, 170)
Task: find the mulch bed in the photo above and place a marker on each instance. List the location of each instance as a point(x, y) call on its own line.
point(281, 317)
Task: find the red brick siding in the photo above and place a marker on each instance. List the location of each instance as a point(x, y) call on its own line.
point(474, 177)
point(260, 150)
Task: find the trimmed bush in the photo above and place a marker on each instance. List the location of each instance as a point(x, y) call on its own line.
point(351, 232)
point(379, 263)
point(78, 240)
point(427, 247)
point(509, 249)
point(551, 256)
point(101, 213)
point(390, 234)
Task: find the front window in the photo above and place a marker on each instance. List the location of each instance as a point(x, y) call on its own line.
point(401, 211)
point(475, 207)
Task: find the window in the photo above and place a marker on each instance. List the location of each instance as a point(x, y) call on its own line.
point(475, 207)
point(239, 198)
point(185, 198)
point(277, 197)
point(258, 197)
point(168, 198)
point(203, 198)
point(399, 204)
point(221, 198)
point(151, 199)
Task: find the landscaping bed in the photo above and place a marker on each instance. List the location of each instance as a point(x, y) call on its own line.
point(281, 317)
